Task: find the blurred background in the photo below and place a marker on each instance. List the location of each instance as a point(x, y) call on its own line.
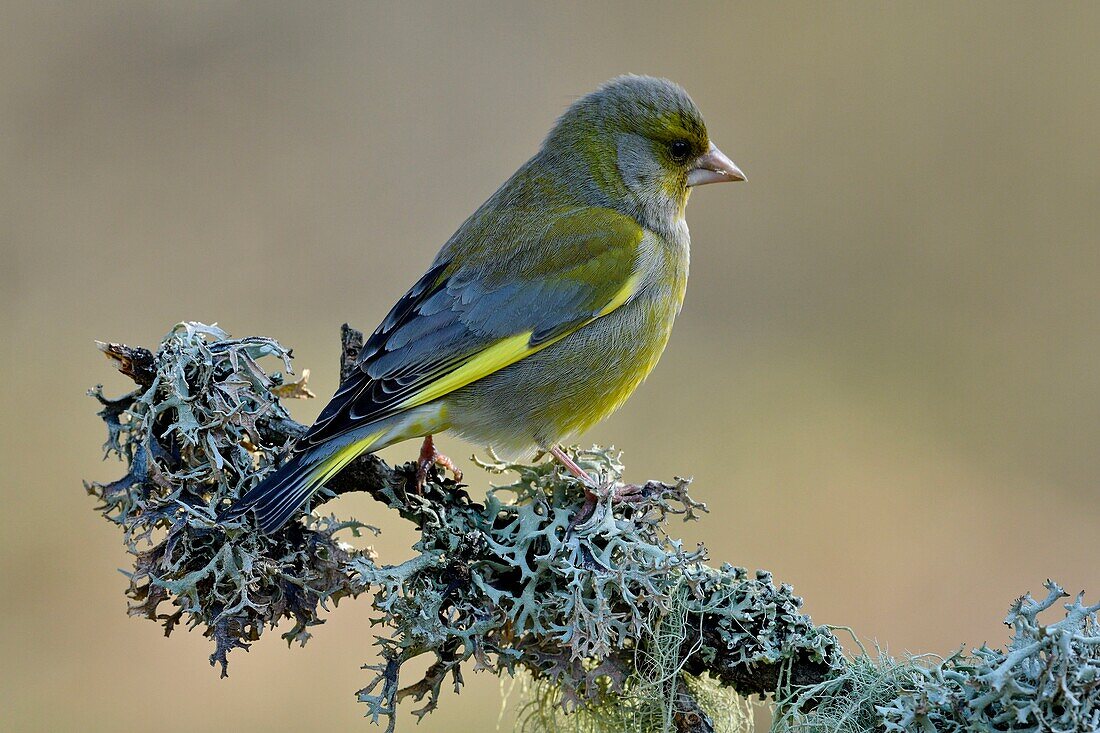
point(885, 379)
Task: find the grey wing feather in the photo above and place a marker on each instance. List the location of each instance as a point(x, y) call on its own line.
point(543, 274)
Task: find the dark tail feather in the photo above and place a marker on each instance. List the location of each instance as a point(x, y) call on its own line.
point(280, 495)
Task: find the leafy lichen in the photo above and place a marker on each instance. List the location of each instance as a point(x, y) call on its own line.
point(205, 427)
point(1046, 681)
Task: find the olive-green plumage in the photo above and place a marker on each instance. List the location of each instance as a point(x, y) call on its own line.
point(547, 307)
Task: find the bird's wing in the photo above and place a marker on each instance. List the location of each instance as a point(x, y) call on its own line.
point(481, 308)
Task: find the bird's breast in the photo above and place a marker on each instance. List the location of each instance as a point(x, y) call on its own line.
point(576, 382)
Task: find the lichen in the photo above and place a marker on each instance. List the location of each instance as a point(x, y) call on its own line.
point(847, 702)
point(612, 622)
point(657, 696)
point(1046, 681)
point(206, 427)
point(595, 609)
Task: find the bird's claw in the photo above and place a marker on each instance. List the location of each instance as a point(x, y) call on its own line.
point(618, 493)
point(588, 508)
point(429, 458)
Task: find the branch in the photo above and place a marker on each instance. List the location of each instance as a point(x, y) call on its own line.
point(613, 620)
point(807, 667)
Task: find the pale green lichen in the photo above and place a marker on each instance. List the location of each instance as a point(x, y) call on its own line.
point(1046, 681)
point(848, 701)
point(199, 433)
point(655, 697)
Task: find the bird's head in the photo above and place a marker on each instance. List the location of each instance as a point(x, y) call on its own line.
point(638, 142)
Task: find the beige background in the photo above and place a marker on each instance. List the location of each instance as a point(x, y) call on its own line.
point(885, 380)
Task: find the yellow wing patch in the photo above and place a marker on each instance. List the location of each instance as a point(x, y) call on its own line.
point(628, 289)
point(507, 352)
point(341, 458)
point(494, 358)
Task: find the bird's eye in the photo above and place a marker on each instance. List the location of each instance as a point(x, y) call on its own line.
point(679, 150)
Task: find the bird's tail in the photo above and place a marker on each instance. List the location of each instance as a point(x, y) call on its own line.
point(280, 495)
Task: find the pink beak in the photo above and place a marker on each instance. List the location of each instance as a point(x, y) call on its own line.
point(714, 167)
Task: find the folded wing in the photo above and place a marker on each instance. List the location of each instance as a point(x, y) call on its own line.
point(482, 307)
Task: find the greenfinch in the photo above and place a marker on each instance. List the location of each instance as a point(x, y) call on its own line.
point(543, 312)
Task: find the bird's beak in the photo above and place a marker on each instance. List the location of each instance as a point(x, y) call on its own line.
point(714, 167)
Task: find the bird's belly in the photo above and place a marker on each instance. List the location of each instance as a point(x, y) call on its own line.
point(569, 386)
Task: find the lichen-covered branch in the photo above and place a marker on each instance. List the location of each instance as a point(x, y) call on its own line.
point(613, 620)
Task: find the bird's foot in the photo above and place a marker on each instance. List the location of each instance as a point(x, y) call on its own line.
point(620, 494)
point(430, 457)
point(588, 508)
point(591, 498)
point(630, 494)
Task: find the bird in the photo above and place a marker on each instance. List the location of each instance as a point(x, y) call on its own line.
point(541, 314)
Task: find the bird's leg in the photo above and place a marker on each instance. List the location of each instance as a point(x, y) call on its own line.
point(590, 497)
point(429, 457)
point(623, 493)
point(573, 468)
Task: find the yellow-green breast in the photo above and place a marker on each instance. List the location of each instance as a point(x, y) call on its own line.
point(574, 383)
